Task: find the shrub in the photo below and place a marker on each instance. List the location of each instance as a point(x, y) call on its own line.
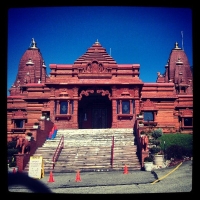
point(157, 133)
point(183, 140)
point(155, 150)
point(12, 161)
point(29, 134)
point(176, 152)
point(11, 144)
point(12, 164)
point(155, 142)
point(148, 159)
point(142, 132)
point(11, 152)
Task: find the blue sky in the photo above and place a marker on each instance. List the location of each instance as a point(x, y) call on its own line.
point(135, 35)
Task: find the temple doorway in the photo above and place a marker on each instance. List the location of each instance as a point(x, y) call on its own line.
point(95, 112)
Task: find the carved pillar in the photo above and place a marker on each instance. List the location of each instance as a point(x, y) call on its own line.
point(114, 113)
point(52, 92)
point(68, 106)
point(20, 162)
point(75, 113)
point(13, 123)
point(58, 107)
point(154, 116)
point(120, 106)
point(137, 106)
point(144, 154)
point(131, 107)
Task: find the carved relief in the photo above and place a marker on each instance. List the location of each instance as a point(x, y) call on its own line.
point(52, 91)
point(104, 92)
point(187, 111)
point(101, 68)
point(148, 105)
point(89, 68)
point(85, 92)
point(94, 67)
point(19, 113)
point(125, 93)
point(27, 79)
point(46, 104)
point(63, 93)
point(75, 91)
point(136, 92)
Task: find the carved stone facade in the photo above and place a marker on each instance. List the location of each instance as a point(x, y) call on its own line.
point(96, 92)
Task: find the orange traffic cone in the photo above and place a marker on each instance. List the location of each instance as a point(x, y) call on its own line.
point(51, 179)
point(125, 170)
point(78, 177)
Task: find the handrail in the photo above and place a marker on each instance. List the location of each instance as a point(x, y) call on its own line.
point(58, 150)
point(112, 151)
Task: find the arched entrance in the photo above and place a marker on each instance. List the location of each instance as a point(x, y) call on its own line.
point(94, 111)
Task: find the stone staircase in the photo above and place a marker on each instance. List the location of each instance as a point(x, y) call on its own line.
point(90, 150)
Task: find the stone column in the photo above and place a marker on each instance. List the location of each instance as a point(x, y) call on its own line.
point(20, 162)
point(58, 107)
point(68, 106)
point(120, 106)
point(114, 113)
point(144, 155)
point(182, 122)
point(137, 106)
point(131, 107)
point(75, 113)
point(154, 116)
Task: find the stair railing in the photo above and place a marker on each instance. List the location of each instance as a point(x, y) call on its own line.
point(112, 152)
point(58, 150)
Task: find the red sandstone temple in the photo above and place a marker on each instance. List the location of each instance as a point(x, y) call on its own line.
point(96, 93)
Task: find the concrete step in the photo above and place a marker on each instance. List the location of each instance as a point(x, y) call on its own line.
point(90, 149)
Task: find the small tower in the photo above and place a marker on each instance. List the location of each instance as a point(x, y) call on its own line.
point(31, 69)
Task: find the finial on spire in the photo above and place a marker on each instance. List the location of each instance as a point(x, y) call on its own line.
point(97, 42)
point(33, 44)
point(176, 45)
point(43, 64)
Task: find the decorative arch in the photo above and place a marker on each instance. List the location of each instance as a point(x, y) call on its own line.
point(104, 92)
point(85, 92)
point(148, 105)
point(19, 114)
point(186, 112)
point(99, 91)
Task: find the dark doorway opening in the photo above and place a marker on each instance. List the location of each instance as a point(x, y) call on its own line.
point(95, 112)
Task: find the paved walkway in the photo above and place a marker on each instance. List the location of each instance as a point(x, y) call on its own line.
point(100, 182)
